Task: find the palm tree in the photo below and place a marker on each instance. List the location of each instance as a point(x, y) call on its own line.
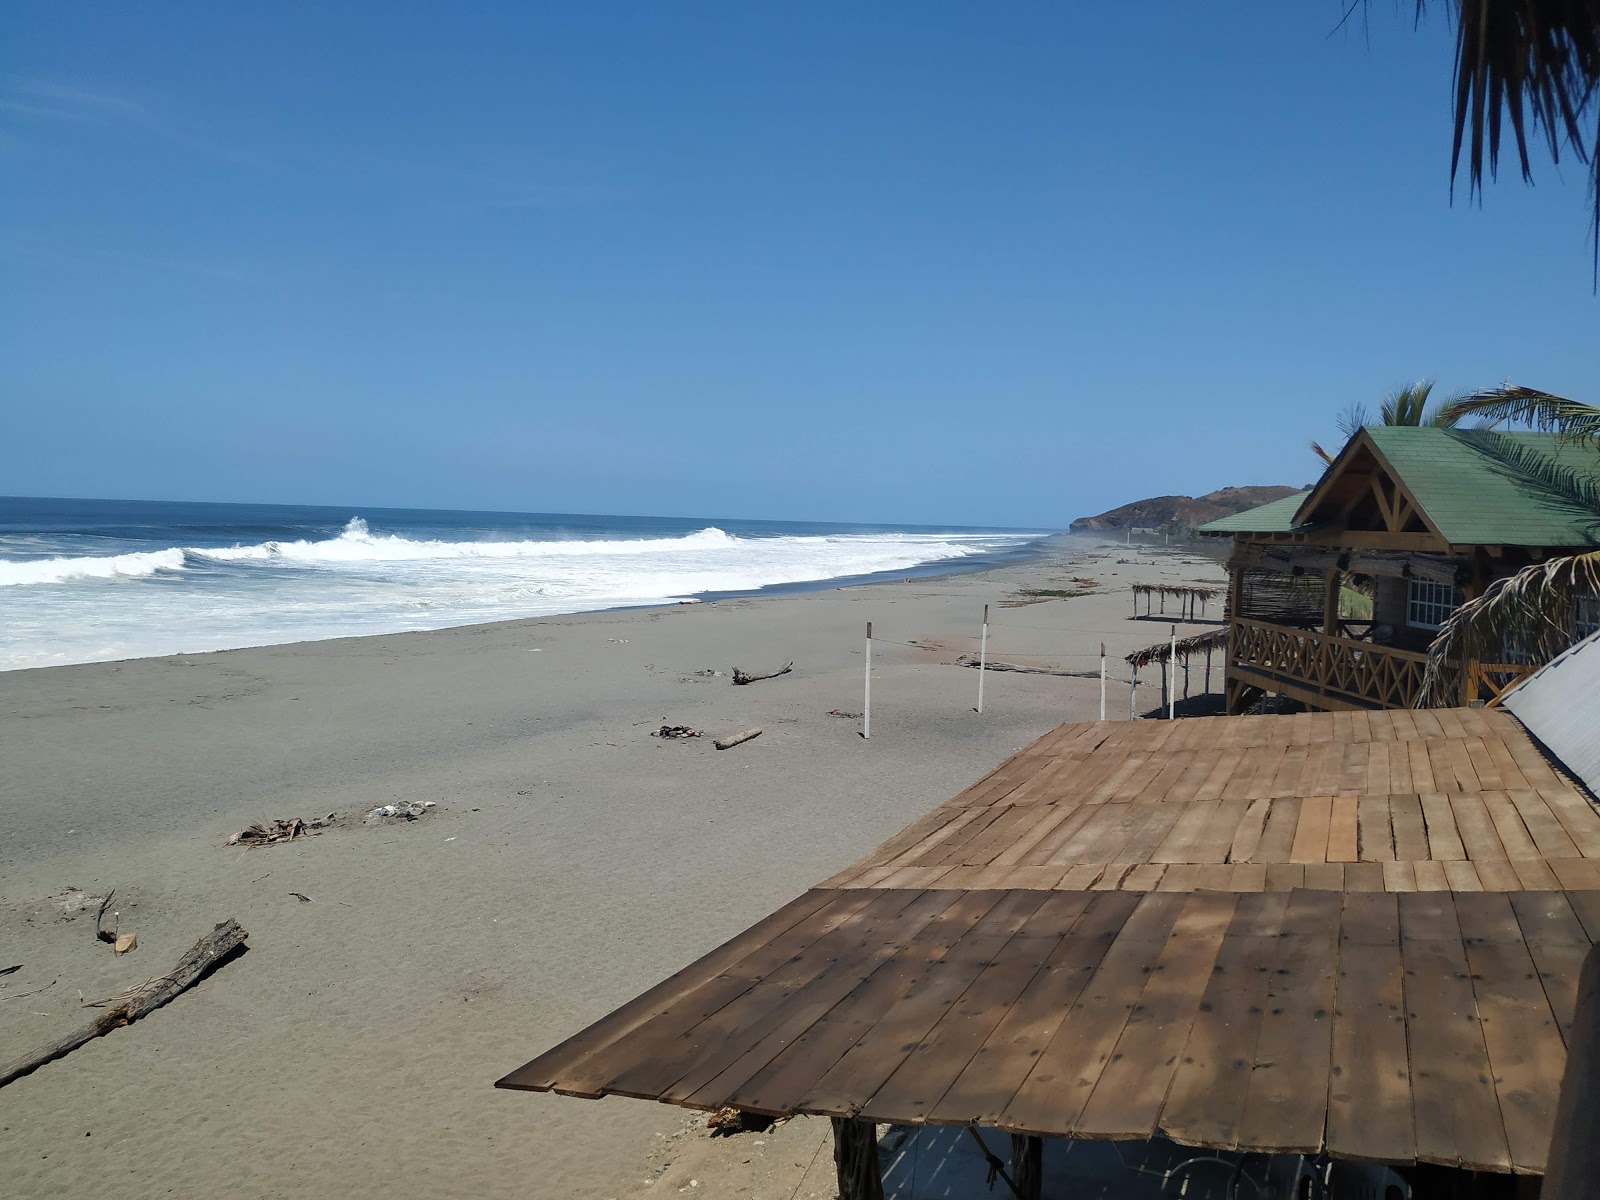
point(1403, 406)
point(1532, 609)
point(1532, 65)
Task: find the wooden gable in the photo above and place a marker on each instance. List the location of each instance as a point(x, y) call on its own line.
point(1361, 500)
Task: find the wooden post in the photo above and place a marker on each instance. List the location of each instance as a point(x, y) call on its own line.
point(1208, 670)
point(855, 1155)
point(1027, 1166)
point(1102, 681)
point(983, 654)
point(866, 708)
point(1574, 1161)
point(1172, 670)
point(1330, 602)
point(1133, 695)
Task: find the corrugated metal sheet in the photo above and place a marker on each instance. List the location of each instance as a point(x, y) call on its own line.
point(1560, 705)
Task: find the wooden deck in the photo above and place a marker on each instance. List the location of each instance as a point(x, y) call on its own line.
point(1398, 801)
point(1192, 987)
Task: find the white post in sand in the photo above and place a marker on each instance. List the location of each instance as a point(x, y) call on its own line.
point(866, 708)
point(1133, 695)
point(1172, 676)
point(1102, 681)
point(983, 654)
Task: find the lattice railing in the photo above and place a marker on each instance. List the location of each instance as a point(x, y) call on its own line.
point(1340, 668)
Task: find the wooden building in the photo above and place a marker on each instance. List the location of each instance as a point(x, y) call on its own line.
point(1356, 934)
point(1422, 519)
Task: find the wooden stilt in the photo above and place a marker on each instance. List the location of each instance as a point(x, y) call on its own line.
point(855, 1155)
point(1027, 1166)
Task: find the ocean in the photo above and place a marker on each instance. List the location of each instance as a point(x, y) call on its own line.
point(98, 580)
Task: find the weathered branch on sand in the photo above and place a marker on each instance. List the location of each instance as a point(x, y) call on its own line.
point(739, 677)
point(136, 1002)
point(100, 935)
point(732, 740)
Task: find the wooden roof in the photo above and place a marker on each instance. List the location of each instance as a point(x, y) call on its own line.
point(1409, 1002)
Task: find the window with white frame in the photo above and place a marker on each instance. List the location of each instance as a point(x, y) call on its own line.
point(1429, 604)
point(1585, 616)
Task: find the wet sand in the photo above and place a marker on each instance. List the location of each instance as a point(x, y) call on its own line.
point(571, 861)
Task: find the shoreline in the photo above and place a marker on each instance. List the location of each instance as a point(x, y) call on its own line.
point(571, 861)
point(937, 568)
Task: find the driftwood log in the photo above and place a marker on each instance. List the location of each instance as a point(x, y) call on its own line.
point(740, 677)
point(138, 1001)
point(733, 739)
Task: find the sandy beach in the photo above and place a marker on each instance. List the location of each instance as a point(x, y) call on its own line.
point(571, 860)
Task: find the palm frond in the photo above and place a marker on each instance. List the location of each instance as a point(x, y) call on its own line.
point(1578, 488)
point(1535, 63)
point(1516, 405)
point(1530, 611)
point(1407, 405)
point(1353, 419)
point(1317, 449)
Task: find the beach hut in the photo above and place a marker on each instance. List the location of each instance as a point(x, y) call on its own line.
point(1425, 519)
point(1355, 935)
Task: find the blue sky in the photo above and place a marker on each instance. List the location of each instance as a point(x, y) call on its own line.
point(988, 264)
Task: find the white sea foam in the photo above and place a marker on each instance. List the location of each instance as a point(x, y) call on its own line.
point(89, 608)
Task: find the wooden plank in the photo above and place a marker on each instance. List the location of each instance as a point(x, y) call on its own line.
point(1557, 943)
point(1206, 1101)
point(1248, 877)
point(1509, 827)
point(778, 1087)
point(1410, 829)
point(1247, 836)
point(1457, 1114)
point(1286, 1104)
point(1277, 839)
point(1179, 845)
point(1215, 838)
point(1476, 828)
point(1343, 837)
point(1463, 876)
point(651, 1075)
point(1399, 877)
point(1422, 778)
point(1575, 874)
point(1151, 834)
point(1369, 1098)
point(1431, 876)
point(1444, 842)
point(987, 1083)
point(1363, 877)
point(549, 1068)
point(1577, 817)
point(1283, 877)
point(1520, 1030)
point(1548, 834)
point(774, 1017)
point(909, 1094)
point(1145, 877)
point(1326, 877)
point(1052, 1097)
point(1377, 830)
point(1311, 835)
point(1126, 1102)
point(858, 1073)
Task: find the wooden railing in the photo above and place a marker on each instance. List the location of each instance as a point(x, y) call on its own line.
point(1313, 666)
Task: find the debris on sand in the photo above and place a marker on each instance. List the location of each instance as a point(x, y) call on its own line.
point(265, 833)
point(736, 739)
point(839, 712)
point(676, 731)
point(726, 1122)
point(404, 810)
point(125, 942)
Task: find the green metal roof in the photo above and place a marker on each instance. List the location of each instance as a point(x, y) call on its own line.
point(1478, 487)
point(1274, 517)
point(1484, 488)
